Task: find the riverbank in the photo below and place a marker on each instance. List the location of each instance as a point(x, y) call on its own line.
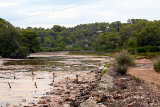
point(108, 90)
point(32, 78)
point(78, 82)
point(131, 90)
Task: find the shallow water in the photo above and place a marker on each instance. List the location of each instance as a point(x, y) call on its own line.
point(23, 89)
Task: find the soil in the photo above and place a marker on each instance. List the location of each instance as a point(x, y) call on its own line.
point(135, 89)
point(70, 91)
point(144, 70)
point(139, 88)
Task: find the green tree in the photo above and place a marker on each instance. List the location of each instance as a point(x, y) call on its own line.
point(150, 35)
point(10, 41)
point(57, 28)
point(30, 40)
point(128, 30)
point(107, 41)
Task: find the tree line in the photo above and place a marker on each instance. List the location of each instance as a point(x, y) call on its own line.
point(136, 35)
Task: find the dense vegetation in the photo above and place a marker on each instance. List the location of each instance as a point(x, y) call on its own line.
point(137, 35)
point(16, 43)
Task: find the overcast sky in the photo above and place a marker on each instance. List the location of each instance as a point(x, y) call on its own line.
point(46, 13)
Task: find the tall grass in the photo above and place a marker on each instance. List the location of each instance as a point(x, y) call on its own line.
point(123, 61)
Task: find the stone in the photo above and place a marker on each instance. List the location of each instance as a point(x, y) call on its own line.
point(42, 102)
point(89, 103)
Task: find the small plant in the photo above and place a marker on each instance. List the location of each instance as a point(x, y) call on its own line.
point(157, 65)
point(105, 70)
point(123, 61)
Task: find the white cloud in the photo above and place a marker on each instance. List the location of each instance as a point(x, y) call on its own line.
point(11, 3)
point(25, 13)
point(8, 4)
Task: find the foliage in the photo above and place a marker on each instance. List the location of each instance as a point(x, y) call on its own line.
point(17, 42)
point(150, 35)
point(144, 49)
point(10, 41)
point(105, 70)
point(123, 61)
point(107, 41)
point(137, 36)
point(124, 58)
point(132, 42)
point(30, 40)
point(121, 69)
point(157, 65)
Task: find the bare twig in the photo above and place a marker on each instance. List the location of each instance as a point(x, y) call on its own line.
point(9, 85)
point(35, 85)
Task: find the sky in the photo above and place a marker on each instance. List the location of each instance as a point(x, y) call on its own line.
point(46, 13)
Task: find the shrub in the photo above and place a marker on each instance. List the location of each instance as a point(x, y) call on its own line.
point(121, 69)
point(141, 49)
point(157, 65)
point(146, 49)
point(123, 61)
point(124, 58)
point(21, 52)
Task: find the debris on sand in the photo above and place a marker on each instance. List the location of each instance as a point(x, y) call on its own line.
point(92, 89)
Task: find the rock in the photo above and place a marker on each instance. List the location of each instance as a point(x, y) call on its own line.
point(67, 92)
point(130, 105)
point(42, 102)
point(89, 103)
point(34, 104)
point(69, 99)
point(44, 105)
point(66, 105)
point(48, 100)
point(123, 79)
point(121, 83)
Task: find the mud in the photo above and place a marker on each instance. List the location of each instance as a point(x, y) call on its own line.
point(31, 79)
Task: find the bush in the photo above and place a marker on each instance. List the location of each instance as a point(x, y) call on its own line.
point(11, 41)
point(21, 52)
point(141, 50)
point(124, 58)
point(121, 69)
point(147, 49)
point(157, 65)
point(123, 61)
